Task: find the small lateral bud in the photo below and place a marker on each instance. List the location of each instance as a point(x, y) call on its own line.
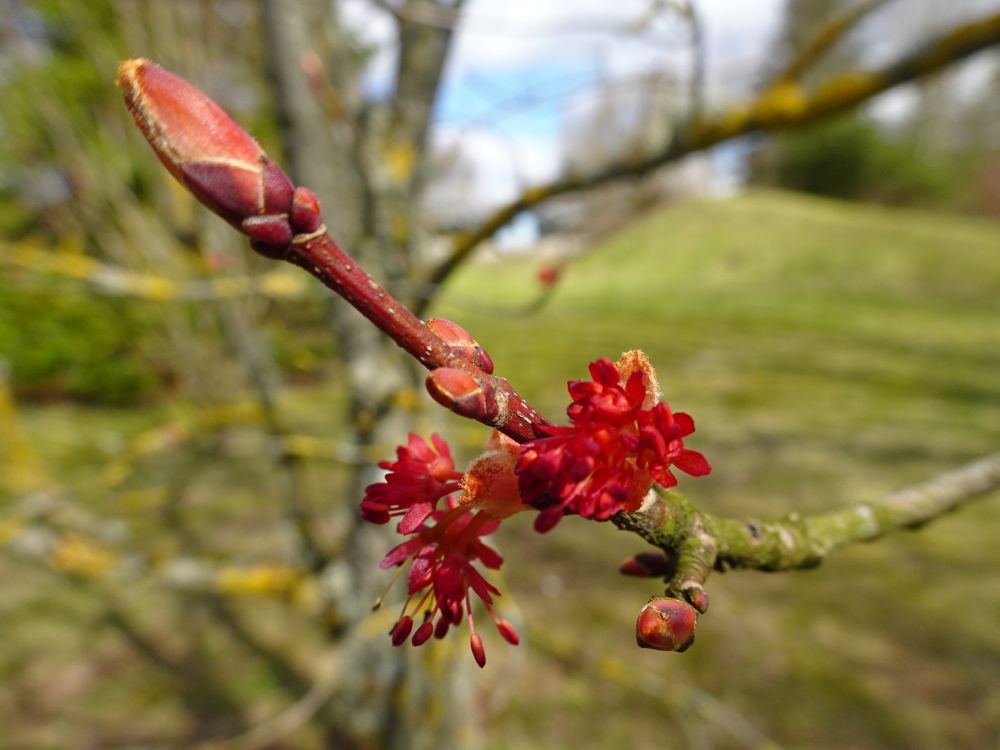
point(507, 631)
point(645, 565)
point(267, 230)
point(458, 391)
point(461, 343)
point(402, 630)
point(699, 599)
point(478, 650)
point(306, 217)
point(202, 146)
point(548, 275)
point(424, 632)
point(666, 625)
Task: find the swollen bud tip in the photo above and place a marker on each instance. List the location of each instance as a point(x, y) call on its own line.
point(204, 148)
point(666, 625)
point(306, 217)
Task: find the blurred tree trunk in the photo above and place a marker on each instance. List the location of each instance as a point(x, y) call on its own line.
point(368, 173)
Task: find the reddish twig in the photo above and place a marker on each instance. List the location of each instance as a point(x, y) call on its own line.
point(230, 174)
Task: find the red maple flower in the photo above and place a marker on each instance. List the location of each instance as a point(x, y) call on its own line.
point(610, 456)
point(416, 481)
point(445, 542)
point(442, 574)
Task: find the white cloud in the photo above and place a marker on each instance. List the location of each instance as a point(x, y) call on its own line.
point(503, 47)
point(495, 36)
point(495, 169)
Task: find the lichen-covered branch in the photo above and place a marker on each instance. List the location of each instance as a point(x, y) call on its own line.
point(779, 107)
point(696, 542)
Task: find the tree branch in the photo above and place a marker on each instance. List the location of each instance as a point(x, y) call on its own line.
point(823, 39)
point(777, 108)
point(696, 542)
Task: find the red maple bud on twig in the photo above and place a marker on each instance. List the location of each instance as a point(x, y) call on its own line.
point(461, 343)
point(666, 625)
point(205, 149)
point(645, 565)
point(621, 440)
point(229, 172)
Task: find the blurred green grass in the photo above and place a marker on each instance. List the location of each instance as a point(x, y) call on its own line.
point(828, 352)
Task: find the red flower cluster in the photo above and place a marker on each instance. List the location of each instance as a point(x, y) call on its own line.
point(417, 479)
point(620, 442)
point(442, 573)
point(441, 555)
point(611, 455)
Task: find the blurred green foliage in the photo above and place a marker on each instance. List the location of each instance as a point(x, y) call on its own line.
point(60, 342)
point(854, 159)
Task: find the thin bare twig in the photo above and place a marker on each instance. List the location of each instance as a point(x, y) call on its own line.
point(823, 39)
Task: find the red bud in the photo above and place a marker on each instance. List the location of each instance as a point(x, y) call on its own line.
point(645, 565)
point(461, 343)
point(306, 217)
point(666, 625)
point(699, 599)
point(201, 146)
point(458, 391)
point(548, 275)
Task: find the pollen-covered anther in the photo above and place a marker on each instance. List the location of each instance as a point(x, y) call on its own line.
point(401, 630)
point(478, 650)
point(508, 632)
